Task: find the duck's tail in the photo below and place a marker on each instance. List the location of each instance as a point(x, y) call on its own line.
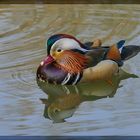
point(129, 51)
point(119, 53)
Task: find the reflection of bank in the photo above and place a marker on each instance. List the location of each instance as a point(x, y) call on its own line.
point(63, 101)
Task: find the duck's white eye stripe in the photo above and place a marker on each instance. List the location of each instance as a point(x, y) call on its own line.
point(67, 78)
point(66, 44)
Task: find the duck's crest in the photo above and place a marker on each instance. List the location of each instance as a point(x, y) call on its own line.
point(56, 37)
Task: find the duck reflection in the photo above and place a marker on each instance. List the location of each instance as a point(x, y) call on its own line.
point(63, 101)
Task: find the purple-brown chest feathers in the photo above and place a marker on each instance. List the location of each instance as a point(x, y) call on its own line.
point(50, 73)
point(53, 74)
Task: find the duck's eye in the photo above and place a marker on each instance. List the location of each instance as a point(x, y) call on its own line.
point(59, 50)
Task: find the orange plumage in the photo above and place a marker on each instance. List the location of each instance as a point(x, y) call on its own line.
point(72, 62)
point(114, 53)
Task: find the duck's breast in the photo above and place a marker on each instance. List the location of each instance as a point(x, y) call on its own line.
point(51, 73)
point(54, 74)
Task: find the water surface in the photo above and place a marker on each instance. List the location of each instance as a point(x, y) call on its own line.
point(23, 31)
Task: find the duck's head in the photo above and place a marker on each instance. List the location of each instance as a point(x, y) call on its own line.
point(66, 52)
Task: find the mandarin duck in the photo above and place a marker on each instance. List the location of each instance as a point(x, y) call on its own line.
point(69, 62)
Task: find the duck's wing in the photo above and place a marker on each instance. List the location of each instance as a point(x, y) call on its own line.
point(103, 63)
point(94, 44)
point(88, 45)
point(98, 54)
point(95, 56)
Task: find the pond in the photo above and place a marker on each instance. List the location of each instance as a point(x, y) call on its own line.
point(77, 111)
